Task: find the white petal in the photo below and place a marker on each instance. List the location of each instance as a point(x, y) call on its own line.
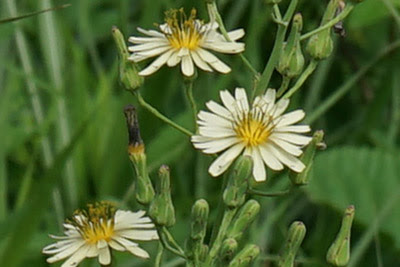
point(139, 234)
point(236, 34)
point(142, 40)
point(241, 97)
point(222, 163)
point(217, 64)
point(224, 47)
point(104, 253)
point(156, 64)
point(291, 149)
point(200, 62)
point(147, 46)
point(219, 110)
point(215, 132)
point(290, 118)
point(269, 158)
point(213, 119)
point(216, 145)
point(152, 33)
point(287, 159)
point(228, 100)
point(280, 107)
point(187, 66)
point(258, 166)
point(174, 59)
point(77, 257)
point(270, 96)
point(68, 251)
point(152, 52)
point(294, 129)
point(295, 139)
point(115, 245)
point(137, 251)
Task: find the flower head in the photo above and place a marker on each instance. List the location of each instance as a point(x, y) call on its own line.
point(92, 232)
point(259, 130)
point(184, 39)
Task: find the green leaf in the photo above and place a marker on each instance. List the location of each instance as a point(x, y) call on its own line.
point(365, 177)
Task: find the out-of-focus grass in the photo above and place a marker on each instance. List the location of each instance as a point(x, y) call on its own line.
point(63, 137)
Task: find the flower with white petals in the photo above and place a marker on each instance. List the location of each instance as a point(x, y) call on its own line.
point(259, 130)
point(184, 40)
point(93, 232)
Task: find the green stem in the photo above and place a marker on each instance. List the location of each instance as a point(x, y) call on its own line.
point(226, 220)
point(172, 240)
point(192, 102)
point(339, 93)
point(284, 85)
point(394, 125)
point(156, 113)
point(268, 194)
point(300, 81)
point(331, 23)
point(220, 209)
point(167, 246)
point(276, 51)
point(392, 9)
point(158, 260)
point(224, 32)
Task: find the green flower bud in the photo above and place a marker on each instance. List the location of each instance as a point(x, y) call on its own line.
point(137, 156)
point(243, 219)
point(161, 208)
point(307, 158)
point(200, 212)
point(245, 256)
point(291, 62)
point(339, 252)
point(296, 234)
point(235, 192)
point(320, 45)
point(128, 70)
point(228, 250)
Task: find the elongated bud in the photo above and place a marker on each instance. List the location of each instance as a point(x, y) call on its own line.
point(339, 252)
point(296, 234)
point(235, 192)
point(243, 219)
point(128, 70)
point(307, 158)
point(320, 45)
point(200, 212)
point(228, 250)
point(245, 256)
point(137, 155)
point(161, 208)
point(291, 62)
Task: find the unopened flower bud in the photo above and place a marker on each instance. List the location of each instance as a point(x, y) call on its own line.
point(235, 192)
point(200, 212)
point(245, 256)
point(320, 45)
point(339, 252)
point(228, 250)
point(128, 70)
point(137, 155)
point(291, 62)
point(243, 219)
point(161, 208)
point(295, 236)
point(307, 158)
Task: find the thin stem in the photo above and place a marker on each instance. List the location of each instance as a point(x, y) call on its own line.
point(224, 32)
point(276, 51)
point(284, 85)
point(167, 246)
point(226, 220)
point(172, 240)
point(329, 24)
point(158, 260)
point(269, 194)
point(300, 81)
point(220, 209)
point(339, 93)
point(394, 125)
point(156, 113)
point(392, 9)
point(192, 102)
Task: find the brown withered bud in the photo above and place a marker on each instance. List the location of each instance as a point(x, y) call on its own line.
point(338, 27)
point(135, 141)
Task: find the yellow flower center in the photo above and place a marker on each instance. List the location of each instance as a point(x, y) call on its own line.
point(252, 132)
point(183, 32)
point(96, 223)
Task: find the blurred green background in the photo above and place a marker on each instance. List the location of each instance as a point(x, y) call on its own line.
point(63, 136)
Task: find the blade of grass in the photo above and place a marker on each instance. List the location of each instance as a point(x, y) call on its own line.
point(3, 187)
point(31, 14)
point(345, 88)
point(52, 51)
